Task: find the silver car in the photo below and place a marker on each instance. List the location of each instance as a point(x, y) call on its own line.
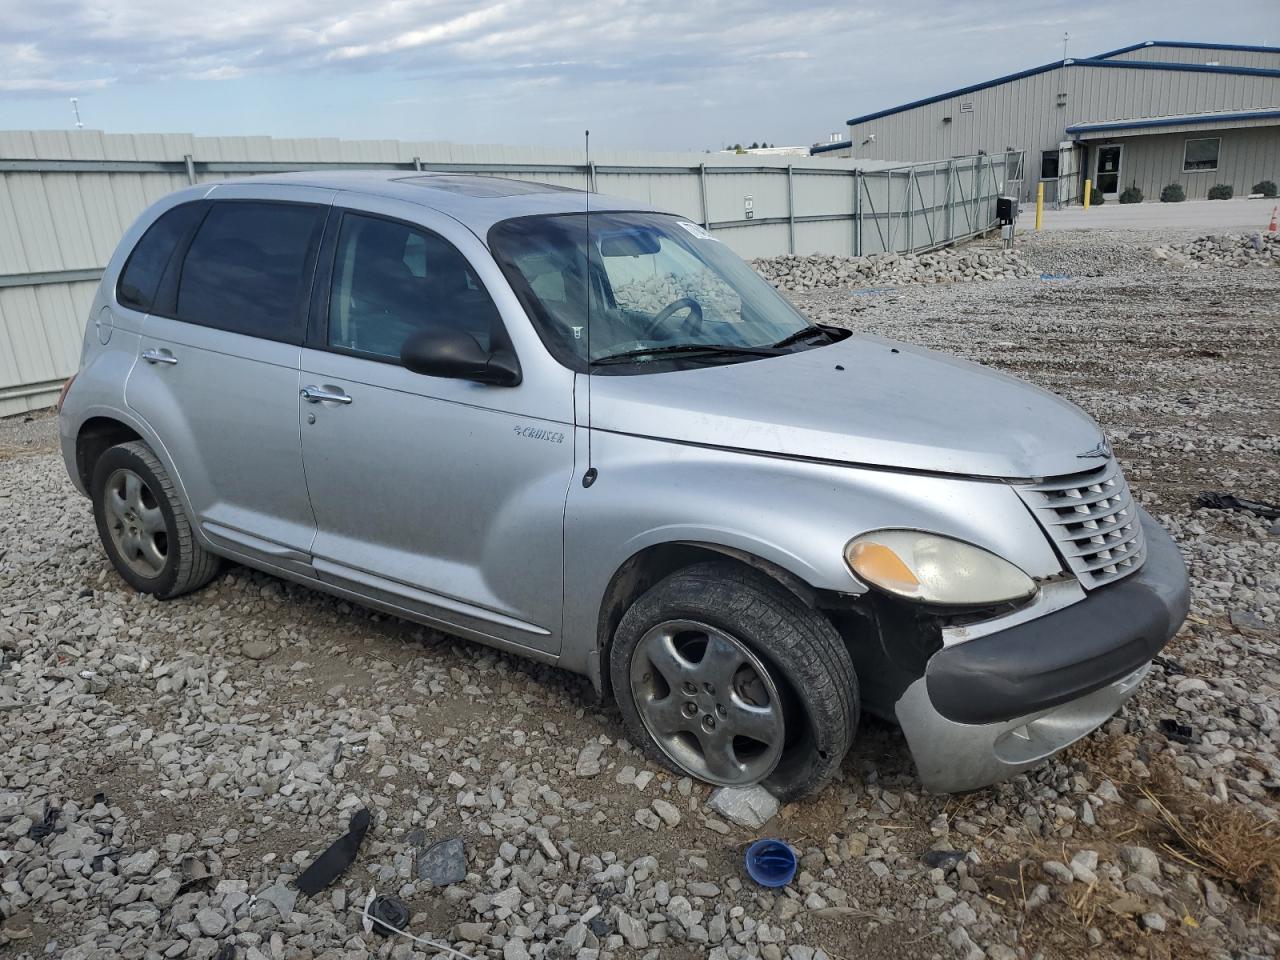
point(588, 433)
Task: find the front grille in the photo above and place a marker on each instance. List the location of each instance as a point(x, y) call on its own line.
point(1092, 519)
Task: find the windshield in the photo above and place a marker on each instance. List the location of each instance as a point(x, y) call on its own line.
point(661, 289)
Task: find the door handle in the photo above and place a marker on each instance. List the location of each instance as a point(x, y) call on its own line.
point(160, 356)
point(314, 394)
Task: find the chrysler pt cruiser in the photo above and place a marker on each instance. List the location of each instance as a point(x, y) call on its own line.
point(600, 440)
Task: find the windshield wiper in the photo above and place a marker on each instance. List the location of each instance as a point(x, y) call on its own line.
point(803, 333)
point(724, 349)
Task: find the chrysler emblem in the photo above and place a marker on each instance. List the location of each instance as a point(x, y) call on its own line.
point(1102, 452)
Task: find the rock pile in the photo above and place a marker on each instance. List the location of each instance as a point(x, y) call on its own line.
point(1226, 250)
point(950, 265)
point(648, 295)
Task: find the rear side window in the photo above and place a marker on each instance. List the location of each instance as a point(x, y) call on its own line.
point(391, 280)
point(141, 274)
point(246, 269)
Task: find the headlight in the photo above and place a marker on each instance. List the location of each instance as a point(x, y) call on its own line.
point(933, 569)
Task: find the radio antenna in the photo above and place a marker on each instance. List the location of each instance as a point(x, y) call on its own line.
point(589, 477)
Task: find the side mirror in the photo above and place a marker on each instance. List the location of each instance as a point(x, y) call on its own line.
point(457, 355)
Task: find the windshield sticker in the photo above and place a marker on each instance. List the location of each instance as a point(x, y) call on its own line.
point(696, 230)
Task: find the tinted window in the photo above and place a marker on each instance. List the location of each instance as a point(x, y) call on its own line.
point(245, 270)
point(141, 274)
point(1201, 154)
point(1049, 165)
point(391, 280)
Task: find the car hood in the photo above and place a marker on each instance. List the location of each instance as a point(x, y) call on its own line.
point(864, 400)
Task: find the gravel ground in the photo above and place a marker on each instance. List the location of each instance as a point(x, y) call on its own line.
point(199, 753)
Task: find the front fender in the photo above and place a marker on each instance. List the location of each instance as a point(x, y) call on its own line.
point(796, 515)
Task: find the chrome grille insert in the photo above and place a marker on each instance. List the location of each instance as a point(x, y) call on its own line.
point(1092, 519)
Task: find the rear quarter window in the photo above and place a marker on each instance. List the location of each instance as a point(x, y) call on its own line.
point(141, 275)
point(247, 270)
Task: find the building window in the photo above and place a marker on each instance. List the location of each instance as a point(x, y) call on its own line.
point(1049, 165)
point(1201, 154)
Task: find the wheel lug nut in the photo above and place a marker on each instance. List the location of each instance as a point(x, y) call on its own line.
point(708, 722)
point(690, 710)
point(709, 688)
point(721, 710)
point(688, 688)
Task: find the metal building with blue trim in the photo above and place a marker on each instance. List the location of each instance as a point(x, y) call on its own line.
point(1145, 115)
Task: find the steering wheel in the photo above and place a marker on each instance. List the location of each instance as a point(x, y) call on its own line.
point(692, 322)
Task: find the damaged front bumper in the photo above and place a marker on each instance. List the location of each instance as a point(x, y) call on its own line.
point(988, 708)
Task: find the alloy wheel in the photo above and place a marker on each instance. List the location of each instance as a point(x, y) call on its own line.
point(708, 702)
point(136, 524)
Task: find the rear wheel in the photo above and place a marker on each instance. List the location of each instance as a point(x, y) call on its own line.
point(143, 526)
point(726, 676)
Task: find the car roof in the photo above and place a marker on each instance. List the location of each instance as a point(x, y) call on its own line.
point(474, 200)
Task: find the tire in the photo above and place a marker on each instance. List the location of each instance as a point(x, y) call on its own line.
point(143, 526)
point(713, 614)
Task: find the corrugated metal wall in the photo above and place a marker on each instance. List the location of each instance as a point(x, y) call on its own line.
point(1245, 157)
point(1032, 114)
point(66, 198)
point(1267, 59)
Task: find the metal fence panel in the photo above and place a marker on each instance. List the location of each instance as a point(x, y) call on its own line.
point(66, 197)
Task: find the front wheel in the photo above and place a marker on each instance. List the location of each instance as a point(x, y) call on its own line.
point(728, 677)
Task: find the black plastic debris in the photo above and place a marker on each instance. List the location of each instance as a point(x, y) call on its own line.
point(444, 863)
point(100, 859)
point(389, 913)
point(1175, 731)
point(1216, 500)
point(334, 862)
point(194, 873)
point(1171, 667)
point(945, 859)
point(46, 826)
point(600, 926)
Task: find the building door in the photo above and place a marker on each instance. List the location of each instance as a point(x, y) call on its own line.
point(1106, 175)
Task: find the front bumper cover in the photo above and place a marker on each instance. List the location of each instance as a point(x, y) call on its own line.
point(991, 707)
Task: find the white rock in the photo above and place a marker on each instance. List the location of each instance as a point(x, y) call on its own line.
point(749, 807)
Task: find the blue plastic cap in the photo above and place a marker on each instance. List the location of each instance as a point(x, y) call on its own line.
point(771, 863)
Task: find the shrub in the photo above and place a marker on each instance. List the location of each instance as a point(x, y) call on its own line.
point(1131, 194)
point(1096, 199)
point(1265, 187)
point(1221, 191)
point(1173, 193)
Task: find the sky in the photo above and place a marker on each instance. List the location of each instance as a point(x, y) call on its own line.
point(640, 74)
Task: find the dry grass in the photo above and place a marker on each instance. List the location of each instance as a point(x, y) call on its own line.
point(1225, 842)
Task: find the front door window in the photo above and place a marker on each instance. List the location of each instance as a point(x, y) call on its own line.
point(1107, 181)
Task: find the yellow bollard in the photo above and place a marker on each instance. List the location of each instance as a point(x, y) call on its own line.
point(1039, 205)
point(1088, 193)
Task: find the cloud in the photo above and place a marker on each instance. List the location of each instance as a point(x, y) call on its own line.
point(666, 73)
point(48, 86)
point(145, 40)
point(436, 33)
